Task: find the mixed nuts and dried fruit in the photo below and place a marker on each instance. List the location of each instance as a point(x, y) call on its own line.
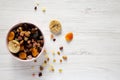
point(25, 41)
point(55, 28)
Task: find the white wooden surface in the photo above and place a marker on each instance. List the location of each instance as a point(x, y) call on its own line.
point(94, 54)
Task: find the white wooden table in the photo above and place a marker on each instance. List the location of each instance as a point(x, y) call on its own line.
point(94, 53)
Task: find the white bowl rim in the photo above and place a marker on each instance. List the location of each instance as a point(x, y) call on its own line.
point(17, 58)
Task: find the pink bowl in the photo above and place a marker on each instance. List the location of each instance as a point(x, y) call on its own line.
point(17, 58)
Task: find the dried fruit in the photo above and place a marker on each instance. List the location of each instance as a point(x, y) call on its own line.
point(55, 27)
point(14, 46)
point(21, 48)
point(48, 59)
point(35, 8)
point(19, 38)
point(34, 52)
point(60, 60)
point(40, 74)
point(54, 39)
point(51, 36)
point(25, 37)
point(69, 36)
point(64, 57)
point(41, 68)
point(35, 60)
point(61, 48)
point(45, 61)
point(22, 55)
point(44, 51)
point(33, 74)
point(11, 36)
point(27, 33)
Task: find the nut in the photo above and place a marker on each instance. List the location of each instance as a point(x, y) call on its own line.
point(64, 57)
point(60, 70)
point(34, 52)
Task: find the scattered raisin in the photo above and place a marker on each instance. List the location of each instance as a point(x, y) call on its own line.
point(35, 8)
point(61, 48)
point(54, 39)
point(35, 60)
point(40, 74)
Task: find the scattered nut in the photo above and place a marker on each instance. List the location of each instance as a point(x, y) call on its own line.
point(58, 53)
point(25, 38)
point(51, 68)
point(46, 55)
point(64, 57)
point(54, 60)
point(43, 9)
point(60, 70)
point(44, 64)
point(53, 53)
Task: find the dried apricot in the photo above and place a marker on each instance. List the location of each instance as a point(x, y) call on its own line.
point(69, 36)
point(22, 55)
point(34, 52)
point(11, 35)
